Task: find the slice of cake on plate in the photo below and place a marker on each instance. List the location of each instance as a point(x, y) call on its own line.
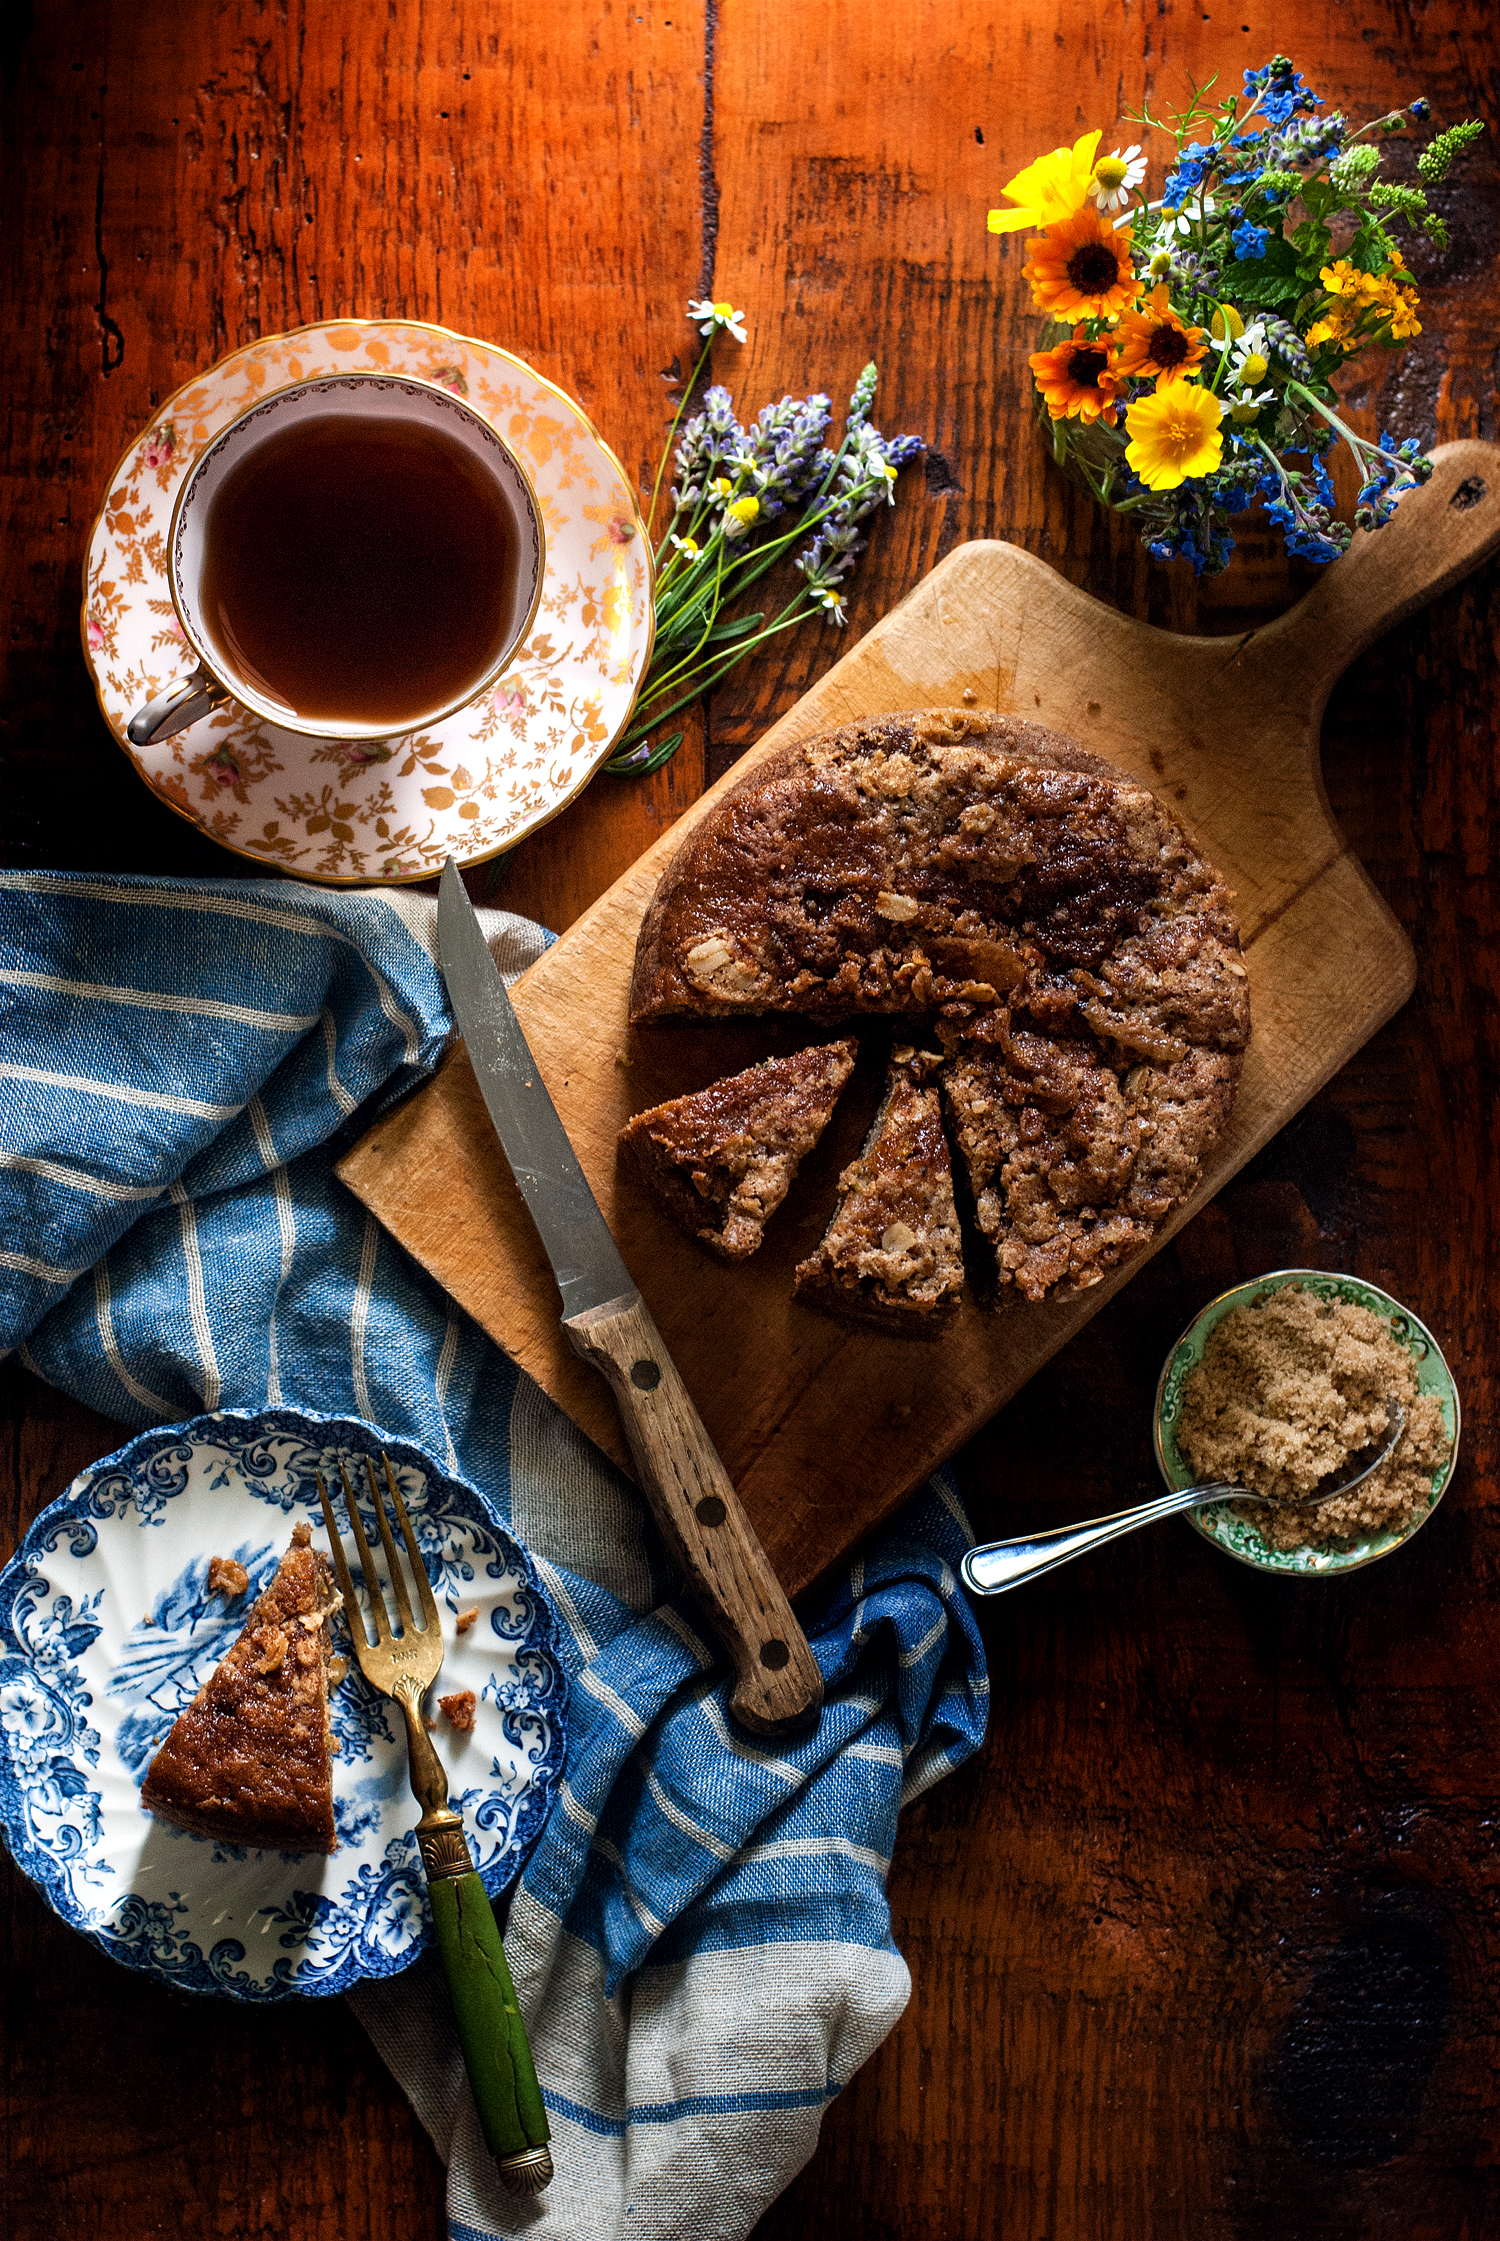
point(249, 1761)
point(892, 1256)
point(722, 1159)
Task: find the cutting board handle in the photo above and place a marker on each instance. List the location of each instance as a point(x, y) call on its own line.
point(1436, 536)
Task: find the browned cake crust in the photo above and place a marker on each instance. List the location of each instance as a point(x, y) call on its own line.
point(722, 1159)
point(892, 1256)
point(1080, 955)
point(901, 863)
point(249, 1761)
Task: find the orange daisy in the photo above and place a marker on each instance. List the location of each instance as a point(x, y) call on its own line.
point(1080, 269)
point(1154, 343)
point(1079, 379)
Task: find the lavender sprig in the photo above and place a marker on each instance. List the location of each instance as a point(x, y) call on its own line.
point(742, 499)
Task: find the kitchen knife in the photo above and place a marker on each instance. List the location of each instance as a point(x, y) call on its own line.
point(777, 1682)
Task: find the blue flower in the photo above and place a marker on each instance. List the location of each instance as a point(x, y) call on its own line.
point(1309, 545)
point(1282, 91)
point(1233, 497)
point(1322, 487)
point(1188, 176)
point(1250, 241)
point(1421, 109)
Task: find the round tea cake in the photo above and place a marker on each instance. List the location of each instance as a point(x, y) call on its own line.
point(1075, 950)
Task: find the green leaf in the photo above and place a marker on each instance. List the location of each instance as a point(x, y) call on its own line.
point(723, 632)
point(1263, 291)
point(1280, 256)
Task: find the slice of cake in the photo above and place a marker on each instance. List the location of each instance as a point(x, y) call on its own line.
point(249, 1761)
point(722, 1159)
point(892, 1256)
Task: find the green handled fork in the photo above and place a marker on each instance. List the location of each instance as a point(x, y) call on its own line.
point(403, 1665)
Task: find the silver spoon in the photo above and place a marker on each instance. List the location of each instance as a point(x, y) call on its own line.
point(999, 1565)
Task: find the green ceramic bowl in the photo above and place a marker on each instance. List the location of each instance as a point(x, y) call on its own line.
point(1222, 1522)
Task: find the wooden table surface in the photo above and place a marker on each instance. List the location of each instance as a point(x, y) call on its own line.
point(1204, 1943)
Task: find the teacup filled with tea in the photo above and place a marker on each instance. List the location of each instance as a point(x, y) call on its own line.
point(354, 557)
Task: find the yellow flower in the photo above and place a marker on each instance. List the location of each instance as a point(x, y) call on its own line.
point(1364, 302)
point(1080, 269)
point(1154, 341)
point(1079, 379)
point(1337, 325)
point(1051, 188)
point(1226, 325)
point(1174, 433)
point(744, 509)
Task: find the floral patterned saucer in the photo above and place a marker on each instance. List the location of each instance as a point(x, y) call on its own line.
point(394, 810)
point(107, 1629)
point(1224, 1523)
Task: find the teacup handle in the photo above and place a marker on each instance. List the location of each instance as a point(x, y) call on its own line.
point(180, 705)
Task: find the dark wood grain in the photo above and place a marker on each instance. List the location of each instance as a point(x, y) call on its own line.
point(1204, 1944)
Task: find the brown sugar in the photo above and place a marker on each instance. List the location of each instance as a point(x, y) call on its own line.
point(1289, 1388)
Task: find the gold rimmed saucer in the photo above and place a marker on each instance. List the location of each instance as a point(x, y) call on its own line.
point(349, 813)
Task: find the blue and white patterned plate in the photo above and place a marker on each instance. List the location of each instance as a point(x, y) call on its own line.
point(107, 1629)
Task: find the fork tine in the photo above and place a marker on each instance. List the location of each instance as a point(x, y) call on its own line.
point(378, 1612)
point(340, 1562)
point(398, 1577)
point(424, 1584)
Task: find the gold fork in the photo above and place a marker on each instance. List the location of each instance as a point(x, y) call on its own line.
point(402, 1666)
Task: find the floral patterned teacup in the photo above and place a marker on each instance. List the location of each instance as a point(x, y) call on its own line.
point(330, 404)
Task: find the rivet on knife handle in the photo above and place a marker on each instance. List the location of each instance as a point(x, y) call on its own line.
point(777, 1682)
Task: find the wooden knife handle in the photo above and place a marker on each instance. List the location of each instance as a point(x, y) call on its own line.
point(777, 1681)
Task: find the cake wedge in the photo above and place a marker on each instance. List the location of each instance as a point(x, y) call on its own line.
point(892, 1255)
point(722, 1159)
point(250, 1760)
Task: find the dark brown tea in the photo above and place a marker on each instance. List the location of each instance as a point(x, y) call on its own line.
point(361, 571)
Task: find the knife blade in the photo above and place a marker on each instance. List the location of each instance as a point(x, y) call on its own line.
point(777, 1682)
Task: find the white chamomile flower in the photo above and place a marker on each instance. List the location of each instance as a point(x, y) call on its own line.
point(711, 316)
point(832, 604)
point(1117, 176)
point(1245, 406)
point(1199, 209)
point(689, 547)
point(1251, 358)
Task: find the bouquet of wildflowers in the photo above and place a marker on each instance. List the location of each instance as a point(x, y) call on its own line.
point(1190, 363)
point(743, 498)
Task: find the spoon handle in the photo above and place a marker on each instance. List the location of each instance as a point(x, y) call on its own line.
point(999, 1565)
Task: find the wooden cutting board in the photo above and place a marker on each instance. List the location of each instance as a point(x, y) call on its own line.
point(823, 1430)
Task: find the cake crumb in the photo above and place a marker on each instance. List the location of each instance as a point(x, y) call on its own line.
point(458, 1710)
point(1289, 1388)
point(463, 1620)
point(227, 1577)
point(272, 1644)
point(301, 1534)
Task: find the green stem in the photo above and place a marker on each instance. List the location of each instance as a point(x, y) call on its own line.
point(686, 660)
point(716, 671)
point(672, 431)
point(1359, 445)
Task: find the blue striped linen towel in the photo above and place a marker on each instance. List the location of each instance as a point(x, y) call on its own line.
point(701, 1941)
